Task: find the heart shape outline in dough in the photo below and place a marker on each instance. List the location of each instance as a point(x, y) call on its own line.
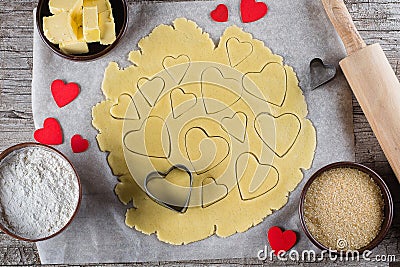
point(209, 186)
point(173, 71)
point(160, 175)
point(288, 145)
point(245, 193)
point(188, 106)
point(146, 92)
point(230, 128)
point(203, 84)
point(240, 50)
point(141, 139)
point(211, 166)
point(264, 91)
point(121, 105)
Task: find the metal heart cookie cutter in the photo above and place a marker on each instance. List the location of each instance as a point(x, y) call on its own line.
point(170, 195)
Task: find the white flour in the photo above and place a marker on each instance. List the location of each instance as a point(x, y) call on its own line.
point(38, 192)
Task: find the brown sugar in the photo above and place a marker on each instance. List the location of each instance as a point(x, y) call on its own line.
point(343, 209)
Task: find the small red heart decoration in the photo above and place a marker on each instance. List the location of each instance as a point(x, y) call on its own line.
point(50, 134)
point(281, 241)
point(220, 13)
point(252, 10)
point(79, 144)
point(63, 93)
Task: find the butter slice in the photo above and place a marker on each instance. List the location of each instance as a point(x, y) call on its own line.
point(102, 5)
point(60, 28)
point(91, 30)
point(59, 6)
point(107, 27)
point(75, 47)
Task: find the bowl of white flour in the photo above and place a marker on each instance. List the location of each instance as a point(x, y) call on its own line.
point(40, 192)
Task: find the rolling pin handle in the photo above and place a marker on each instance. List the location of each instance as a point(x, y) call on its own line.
point(344, 25)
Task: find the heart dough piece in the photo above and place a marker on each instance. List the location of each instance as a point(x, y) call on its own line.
point(151, 89)
point(285, 128)
point(181, 102)
point(254, 178)
point(269, 84)
point(159, 139)
point(219, 91)
point(236, 126)
point(125, 109)
point(212, 192)
point(238, 51)
point(176, 67)
point(205, 152)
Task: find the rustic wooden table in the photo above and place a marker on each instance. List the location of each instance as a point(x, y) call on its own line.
point(378, 21)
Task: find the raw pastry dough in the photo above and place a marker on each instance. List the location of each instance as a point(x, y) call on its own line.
point(233, 114)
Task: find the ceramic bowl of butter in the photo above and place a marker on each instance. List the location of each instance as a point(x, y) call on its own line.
point(40, 192)
point(81, 30)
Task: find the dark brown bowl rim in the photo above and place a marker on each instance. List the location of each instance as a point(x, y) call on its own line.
point(32, 144)
point(78, 57)
point(388, 204)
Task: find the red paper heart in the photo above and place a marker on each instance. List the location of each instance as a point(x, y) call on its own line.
point(63, 93)
point(50, 134)
point(281, 241)
point(252, 10)
point(220, 13)
point(79, 144)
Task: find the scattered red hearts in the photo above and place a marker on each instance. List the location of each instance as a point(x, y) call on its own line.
point(79, 144)
point(63, 93)
point(220, 13)
point(281, 241)
point(50, 134)
point(252, 10)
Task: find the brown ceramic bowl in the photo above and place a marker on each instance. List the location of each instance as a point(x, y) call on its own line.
point(96, 50)
point(388, 203)
point(48, 148)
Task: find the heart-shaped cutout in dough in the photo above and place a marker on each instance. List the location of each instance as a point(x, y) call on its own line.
point(287, 126)
point(171, 189)
point(176, 67)
point(154, 145)
point(203, 151)
point(238, 51)
point(218, 92)
point(212, 192)
point(236, 126)
point(181, 102)
point(254, 178)
point(151, 89)
point(125, 109)
point(269, 84)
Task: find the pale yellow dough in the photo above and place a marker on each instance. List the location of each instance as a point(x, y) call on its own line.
point(238, 123)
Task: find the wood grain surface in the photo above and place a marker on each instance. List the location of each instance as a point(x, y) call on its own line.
point(377, 21)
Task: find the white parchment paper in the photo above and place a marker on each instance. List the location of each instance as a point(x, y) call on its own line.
point(297, 30)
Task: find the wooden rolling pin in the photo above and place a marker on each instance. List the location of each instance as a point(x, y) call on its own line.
point(372, 80)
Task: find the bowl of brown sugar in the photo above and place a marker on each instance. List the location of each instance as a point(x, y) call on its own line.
point(346, 206)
